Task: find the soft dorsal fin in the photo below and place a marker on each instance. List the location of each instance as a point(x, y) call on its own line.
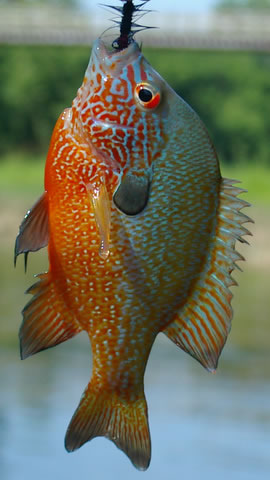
point(202, 326)
point(34, 229)
point(47, 321)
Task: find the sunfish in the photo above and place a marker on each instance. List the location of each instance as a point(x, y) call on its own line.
point(141, 231)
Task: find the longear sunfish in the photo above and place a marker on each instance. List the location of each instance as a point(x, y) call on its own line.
point(141, 231)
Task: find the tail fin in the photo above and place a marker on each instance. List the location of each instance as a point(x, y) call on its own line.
point(125, 422)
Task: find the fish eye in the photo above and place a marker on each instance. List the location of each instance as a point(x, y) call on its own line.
point(147, 96)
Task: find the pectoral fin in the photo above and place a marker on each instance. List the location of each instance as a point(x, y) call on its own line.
point(34, 229)
point(102, 210)
point(202, 326)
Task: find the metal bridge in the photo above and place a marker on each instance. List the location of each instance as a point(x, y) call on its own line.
point(43, 25)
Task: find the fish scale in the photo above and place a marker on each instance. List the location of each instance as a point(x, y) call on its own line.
point(141, 232)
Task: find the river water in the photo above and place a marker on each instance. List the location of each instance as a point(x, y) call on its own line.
point(203, 426)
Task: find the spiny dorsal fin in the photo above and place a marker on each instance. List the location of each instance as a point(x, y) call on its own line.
point(34, 229)
point(202, 326)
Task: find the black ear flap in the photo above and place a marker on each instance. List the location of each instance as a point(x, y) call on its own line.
point(132, 195)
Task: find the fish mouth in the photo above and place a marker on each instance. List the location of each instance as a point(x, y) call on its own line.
point(113, 61)
point(132, 195)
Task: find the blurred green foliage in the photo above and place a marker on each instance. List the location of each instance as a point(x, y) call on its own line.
point(230, 91)
point(223, 5)
point(36, 84)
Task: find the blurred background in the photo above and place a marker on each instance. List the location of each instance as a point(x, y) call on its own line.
point(216, 55)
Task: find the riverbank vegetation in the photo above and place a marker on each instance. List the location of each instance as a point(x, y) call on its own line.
point(229, 90)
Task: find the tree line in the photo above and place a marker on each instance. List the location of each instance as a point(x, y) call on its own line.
point(230, 91)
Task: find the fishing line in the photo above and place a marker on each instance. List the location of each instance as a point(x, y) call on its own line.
point(130, 14)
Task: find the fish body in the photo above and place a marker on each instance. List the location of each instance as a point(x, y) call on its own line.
point(141, 230)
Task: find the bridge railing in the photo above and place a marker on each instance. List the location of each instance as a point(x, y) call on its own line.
point(44, 25)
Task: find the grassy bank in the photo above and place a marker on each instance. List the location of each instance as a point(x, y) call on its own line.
point(22, 174)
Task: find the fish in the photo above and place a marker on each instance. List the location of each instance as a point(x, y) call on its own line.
point(140, 229)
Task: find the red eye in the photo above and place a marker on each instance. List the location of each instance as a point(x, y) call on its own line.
point(147, 95)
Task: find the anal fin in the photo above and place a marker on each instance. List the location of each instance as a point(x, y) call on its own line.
point(46, 320)
point(202, 326)
point(34, 229)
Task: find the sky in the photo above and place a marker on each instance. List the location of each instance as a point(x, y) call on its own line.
point(194, 6)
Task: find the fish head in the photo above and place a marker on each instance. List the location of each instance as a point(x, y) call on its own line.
point(124, 112)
